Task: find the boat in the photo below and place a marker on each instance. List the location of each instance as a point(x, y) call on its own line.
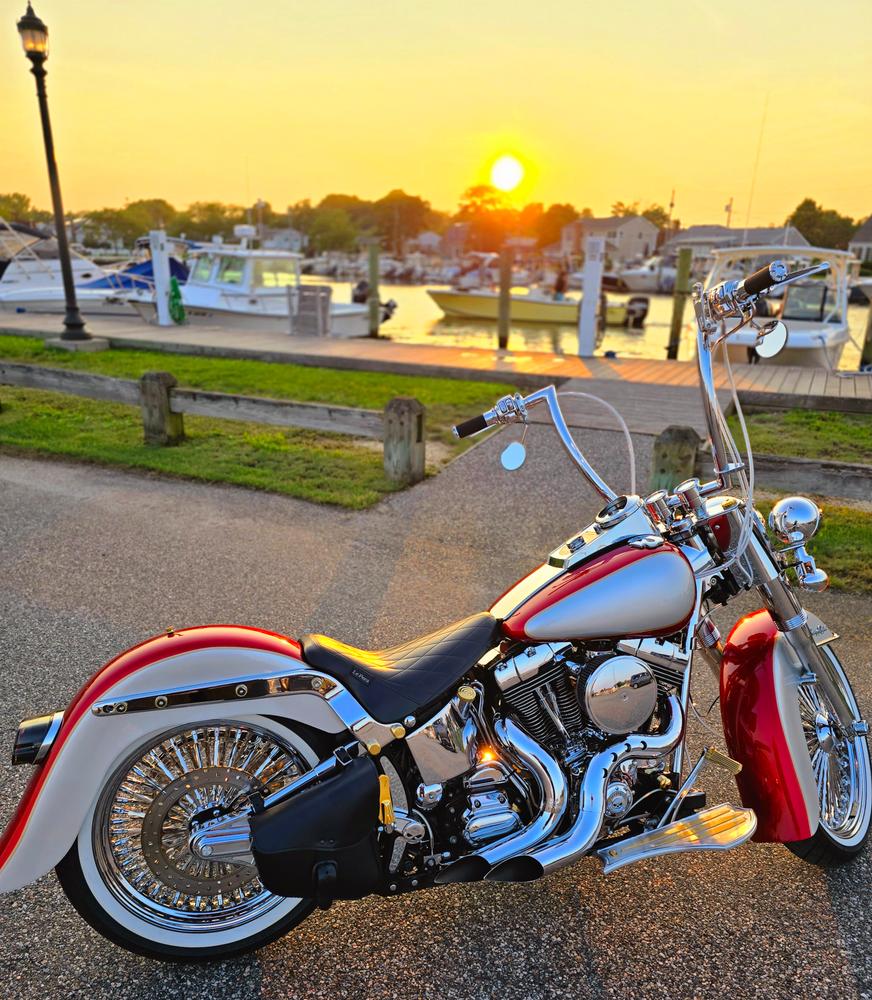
point(656, 274)
point(234, 286)
point(533, 307)
point(815, 311)
point(31, 280)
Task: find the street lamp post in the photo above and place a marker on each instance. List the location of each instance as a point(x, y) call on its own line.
point(34, 38)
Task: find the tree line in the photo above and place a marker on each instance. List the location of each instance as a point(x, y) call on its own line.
point(340, 221)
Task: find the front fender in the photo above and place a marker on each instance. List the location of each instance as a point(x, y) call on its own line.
point(760, 712)
point(88, 747)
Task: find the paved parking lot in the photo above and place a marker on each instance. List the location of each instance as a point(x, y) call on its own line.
point(94, 560)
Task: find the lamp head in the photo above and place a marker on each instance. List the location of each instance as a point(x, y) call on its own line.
point(34, 35)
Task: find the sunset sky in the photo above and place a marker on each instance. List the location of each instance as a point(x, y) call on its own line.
point(626, 99)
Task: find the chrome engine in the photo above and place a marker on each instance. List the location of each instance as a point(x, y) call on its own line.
point(566, 699)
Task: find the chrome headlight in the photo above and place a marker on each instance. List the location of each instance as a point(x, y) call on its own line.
point(795, 520)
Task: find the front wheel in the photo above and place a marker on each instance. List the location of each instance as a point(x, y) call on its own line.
point(840, 762)
point(131, 873)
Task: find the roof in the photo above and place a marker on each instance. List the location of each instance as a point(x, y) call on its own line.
point(752, 236)
point(863, 233)
point(611, 222)
point(229, 250)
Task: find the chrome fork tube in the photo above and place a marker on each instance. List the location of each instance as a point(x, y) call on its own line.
point(553, 792)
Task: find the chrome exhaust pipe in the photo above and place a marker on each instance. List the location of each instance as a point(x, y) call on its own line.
point(553, 798)
point(578, 840)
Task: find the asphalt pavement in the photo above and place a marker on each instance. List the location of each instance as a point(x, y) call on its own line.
point(95, 560)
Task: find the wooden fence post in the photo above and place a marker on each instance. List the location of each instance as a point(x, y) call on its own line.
point(404, 440)
point(160, 425)
point(674, 457)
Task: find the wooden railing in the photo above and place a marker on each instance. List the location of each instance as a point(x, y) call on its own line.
point(400, 426)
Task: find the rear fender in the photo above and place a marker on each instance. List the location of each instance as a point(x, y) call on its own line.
point(759, 708)
point(119, 708)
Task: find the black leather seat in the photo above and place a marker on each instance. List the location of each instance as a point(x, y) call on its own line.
point(394, 683)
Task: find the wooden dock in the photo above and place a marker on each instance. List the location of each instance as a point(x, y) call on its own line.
point(652, 394)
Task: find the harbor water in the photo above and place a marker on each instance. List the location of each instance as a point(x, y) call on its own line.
point(418, 320)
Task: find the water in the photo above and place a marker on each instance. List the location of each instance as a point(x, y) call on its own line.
point(418, 320)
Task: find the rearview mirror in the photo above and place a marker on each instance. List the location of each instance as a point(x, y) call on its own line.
point(771, 340)
point(513, 457)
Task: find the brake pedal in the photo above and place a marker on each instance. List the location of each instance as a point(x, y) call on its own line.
point(718, 828)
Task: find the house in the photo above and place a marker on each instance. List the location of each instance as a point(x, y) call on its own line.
point(426, 242)
point(454, 239)
point(860, 244)
point(283, 238)
point(627, 237)
point(703, 239)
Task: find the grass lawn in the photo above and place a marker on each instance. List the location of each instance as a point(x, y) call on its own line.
point(842, 547)
point(325, 468)
point(447, 400)
point(841, 437)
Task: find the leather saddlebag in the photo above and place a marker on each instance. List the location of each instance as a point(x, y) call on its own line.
point(322, 842)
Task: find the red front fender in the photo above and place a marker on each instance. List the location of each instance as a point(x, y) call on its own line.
point(760, 715)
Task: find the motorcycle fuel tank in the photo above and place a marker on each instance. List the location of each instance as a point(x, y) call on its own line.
point(624, 592)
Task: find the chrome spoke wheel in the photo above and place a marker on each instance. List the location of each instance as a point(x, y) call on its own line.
point(142, 824)
point(840, 764)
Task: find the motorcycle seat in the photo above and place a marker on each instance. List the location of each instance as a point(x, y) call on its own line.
point(393, 683)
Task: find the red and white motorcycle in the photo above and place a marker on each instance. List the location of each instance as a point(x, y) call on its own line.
point(206, 789)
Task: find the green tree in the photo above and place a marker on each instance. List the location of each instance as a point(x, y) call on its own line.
point(552, 222)
point(622, 209)
point(489, 217)
point(822, 227)
point(399, 216)
point(332, 229)
point(15, 207)
point(357, 209)
point(204, 219)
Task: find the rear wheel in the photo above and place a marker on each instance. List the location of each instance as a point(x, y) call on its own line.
point(131, 873)
point(841, 766)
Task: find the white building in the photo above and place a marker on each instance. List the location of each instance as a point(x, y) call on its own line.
point(861, 242)
point(627, 237)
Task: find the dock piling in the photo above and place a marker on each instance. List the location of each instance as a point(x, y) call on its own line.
point(373, 301)
point(505, 304)
point(866, 353)
point(680, 293)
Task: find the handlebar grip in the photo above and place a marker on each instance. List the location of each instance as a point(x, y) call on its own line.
point(765, 278)
point(470, 427)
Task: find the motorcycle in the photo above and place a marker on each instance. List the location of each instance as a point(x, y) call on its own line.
point(205, 790)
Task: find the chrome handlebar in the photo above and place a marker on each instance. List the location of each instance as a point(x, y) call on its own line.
point(514, 410)
point(728, 299)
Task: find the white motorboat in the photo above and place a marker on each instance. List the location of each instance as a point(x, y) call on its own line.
point(31, 280)
point(815, 311)
point(656, 274)
point(234, 286)
point(30, 270)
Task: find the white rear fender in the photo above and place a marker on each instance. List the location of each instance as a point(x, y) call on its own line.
point(203, 674)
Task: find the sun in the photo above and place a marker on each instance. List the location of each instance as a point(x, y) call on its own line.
point(507, 173)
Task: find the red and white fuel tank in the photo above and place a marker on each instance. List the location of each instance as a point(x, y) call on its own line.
point(625, 592)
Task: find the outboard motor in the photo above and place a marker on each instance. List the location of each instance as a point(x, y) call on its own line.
point(637, 310)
